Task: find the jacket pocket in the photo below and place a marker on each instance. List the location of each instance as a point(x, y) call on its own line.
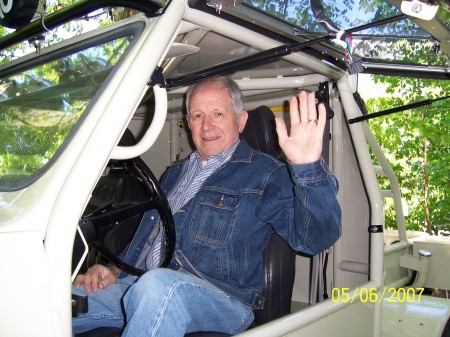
point(214, 215)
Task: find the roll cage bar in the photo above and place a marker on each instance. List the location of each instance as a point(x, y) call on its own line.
point(396, 109)
point(266, 55)
point(151, 9)
point(72, 12)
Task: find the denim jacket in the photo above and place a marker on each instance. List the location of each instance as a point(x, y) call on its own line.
point(221, 233)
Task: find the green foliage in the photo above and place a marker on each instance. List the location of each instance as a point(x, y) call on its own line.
point(29, 149)
point(40, 106)
point(404, 136)
point(61, 33)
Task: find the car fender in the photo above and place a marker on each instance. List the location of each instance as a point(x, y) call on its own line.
point(422, 316)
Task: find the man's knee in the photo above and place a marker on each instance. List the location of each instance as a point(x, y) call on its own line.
point(156, 279)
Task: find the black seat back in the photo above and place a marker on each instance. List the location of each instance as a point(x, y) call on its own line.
point(279, 275)
point(279, 258)
point(259, 131)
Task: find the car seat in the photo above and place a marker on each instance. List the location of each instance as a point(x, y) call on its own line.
point(279, 258)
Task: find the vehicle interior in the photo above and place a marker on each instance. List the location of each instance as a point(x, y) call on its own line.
point(110, 102)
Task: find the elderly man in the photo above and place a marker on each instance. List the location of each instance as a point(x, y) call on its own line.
point(226, 199)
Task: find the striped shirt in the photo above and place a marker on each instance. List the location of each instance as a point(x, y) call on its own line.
point(198, 171)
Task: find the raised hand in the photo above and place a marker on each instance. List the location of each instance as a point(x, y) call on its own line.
point(303, 144)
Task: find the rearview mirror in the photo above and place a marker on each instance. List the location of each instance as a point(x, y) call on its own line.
point(425, 10)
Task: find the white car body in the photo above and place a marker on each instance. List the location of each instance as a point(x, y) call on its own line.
point(38, 221)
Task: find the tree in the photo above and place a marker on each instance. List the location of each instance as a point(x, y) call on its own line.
point(419, 145)
point(41, 105)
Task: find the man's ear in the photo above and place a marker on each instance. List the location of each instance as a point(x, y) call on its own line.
point(242, 121)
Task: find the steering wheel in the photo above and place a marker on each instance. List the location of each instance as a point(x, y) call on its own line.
point(103, 218)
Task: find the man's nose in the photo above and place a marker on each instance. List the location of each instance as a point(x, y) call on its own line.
point(207, 123)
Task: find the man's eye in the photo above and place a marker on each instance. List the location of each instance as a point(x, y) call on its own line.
point(219, 114)
point(196, 116)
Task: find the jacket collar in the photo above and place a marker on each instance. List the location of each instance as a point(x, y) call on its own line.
point(243, 152)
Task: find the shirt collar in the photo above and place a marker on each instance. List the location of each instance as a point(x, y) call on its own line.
point(221, 157)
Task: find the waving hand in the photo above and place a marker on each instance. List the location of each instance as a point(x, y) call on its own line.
point(303, 144)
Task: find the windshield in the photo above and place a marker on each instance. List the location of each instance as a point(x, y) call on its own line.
point(401, 41)
point(39, 106)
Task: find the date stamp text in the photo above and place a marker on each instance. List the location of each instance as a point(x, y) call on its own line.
point(373, 295)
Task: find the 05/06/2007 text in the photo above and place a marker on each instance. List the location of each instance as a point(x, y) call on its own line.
point(374, 295)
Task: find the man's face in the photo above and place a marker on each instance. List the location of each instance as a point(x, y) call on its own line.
point(212, 120)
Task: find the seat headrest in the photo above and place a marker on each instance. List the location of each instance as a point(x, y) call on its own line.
point(260, 133)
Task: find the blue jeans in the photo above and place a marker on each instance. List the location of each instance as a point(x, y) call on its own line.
point(164, 302)
point(104, 306)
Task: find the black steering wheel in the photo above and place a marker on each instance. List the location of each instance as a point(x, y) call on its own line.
point(102, 219)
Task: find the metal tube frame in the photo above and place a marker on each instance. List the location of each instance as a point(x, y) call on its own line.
point(72, 12)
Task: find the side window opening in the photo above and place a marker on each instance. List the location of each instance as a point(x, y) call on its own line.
point(39, 107)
